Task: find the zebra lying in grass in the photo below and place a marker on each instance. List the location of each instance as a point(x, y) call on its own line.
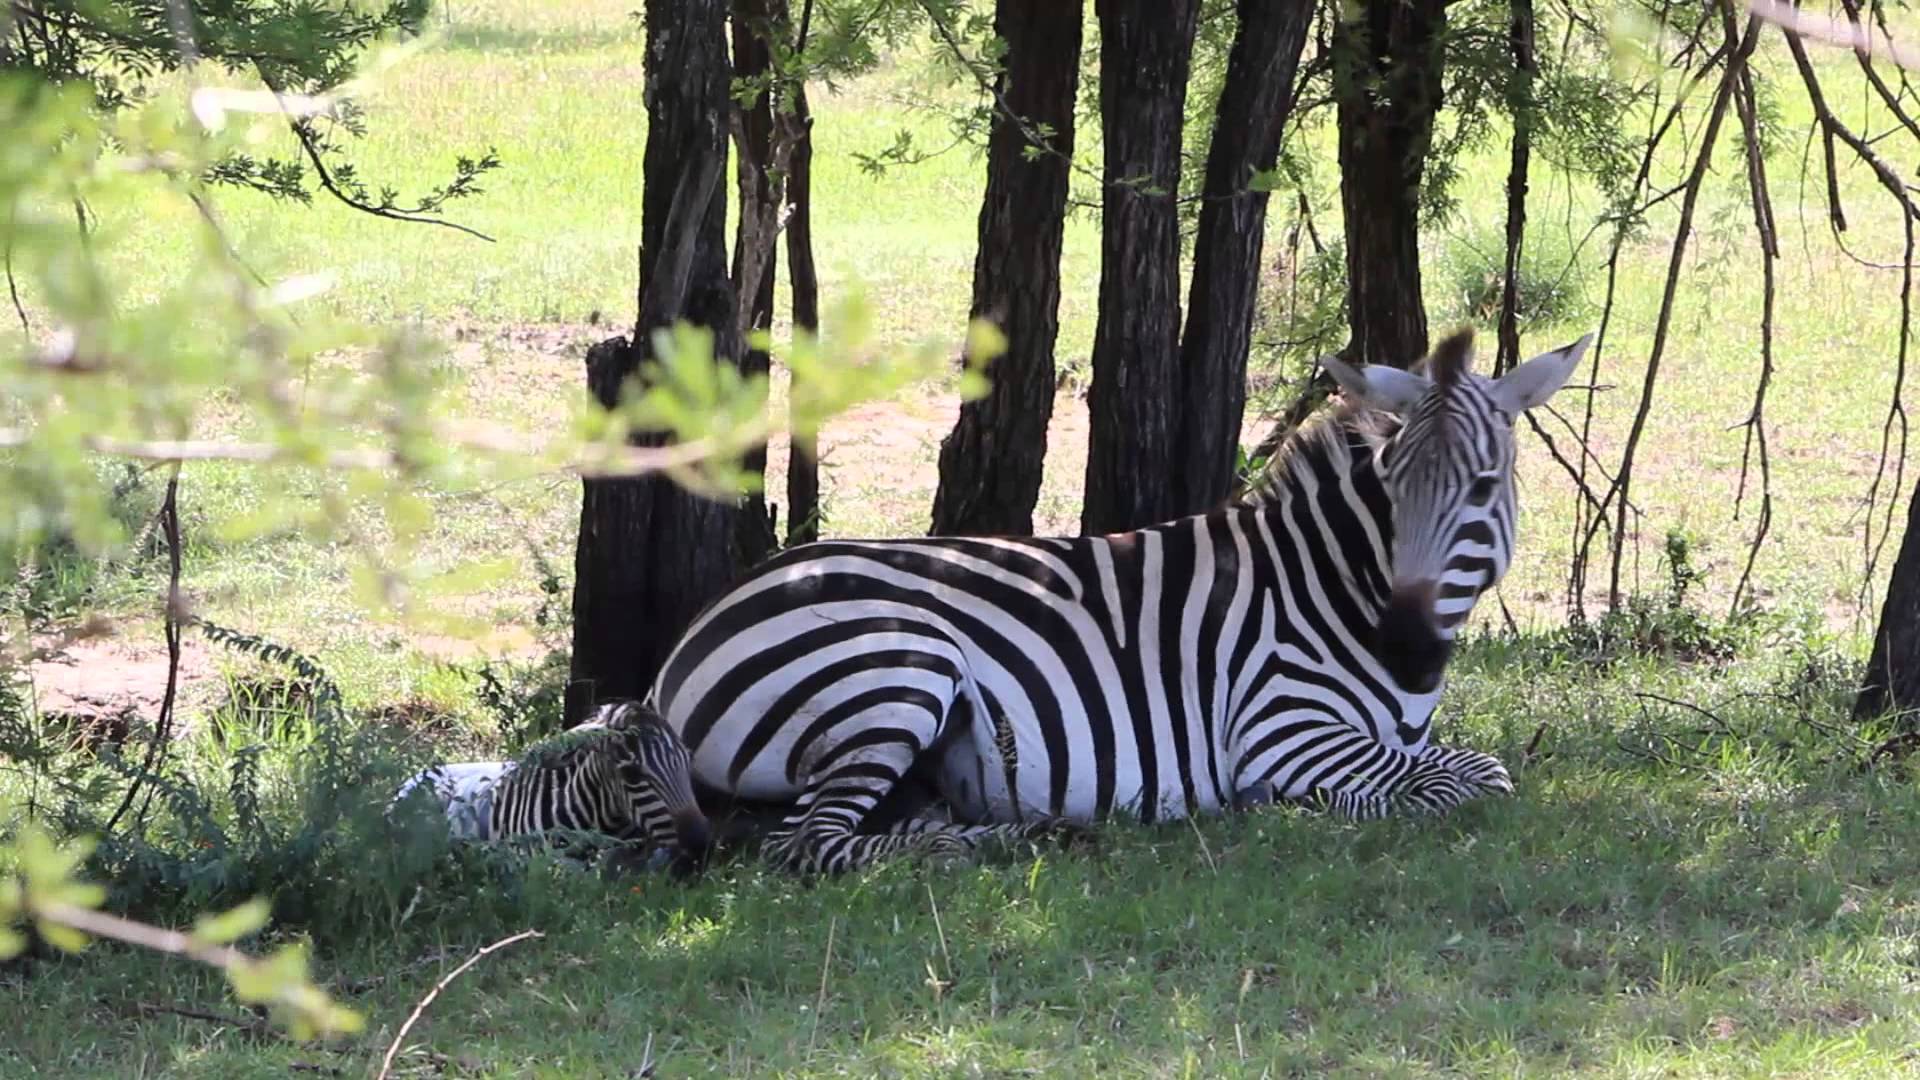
point(622, 773)
point(1290, 646)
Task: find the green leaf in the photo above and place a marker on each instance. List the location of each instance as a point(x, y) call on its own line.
point(986, 342)
point(231, 926)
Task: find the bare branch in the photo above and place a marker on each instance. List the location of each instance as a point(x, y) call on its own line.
point(1848, 35)
point(1736, 62)
point(163, 724)
point(601, 461)
point(1756, 423)
point(393, 1049)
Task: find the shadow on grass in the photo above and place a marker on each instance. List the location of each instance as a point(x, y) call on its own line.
point(1749, 906)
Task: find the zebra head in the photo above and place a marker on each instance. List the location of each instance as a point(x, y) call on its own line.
point(1448, 472)
point(657, 769)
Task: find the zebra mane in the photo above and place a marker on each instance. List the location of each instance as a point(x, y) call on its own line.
point(1329, 439)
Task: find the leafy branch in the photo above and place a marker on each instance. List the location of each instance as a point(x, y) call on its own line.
point(46, 892)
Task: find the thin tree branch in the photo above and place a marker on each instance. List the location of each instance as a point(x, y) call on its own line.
point(13, 287)
point(598, 463)
point(1896, 416)
point(304, 134)
point(1520, 41)
point(163, 724)
point(1756, 423)
point(1850, 35)
point(1736, 61)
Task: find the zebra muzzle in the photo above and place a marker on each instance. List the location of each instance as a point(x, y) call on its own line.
point(1409, 643)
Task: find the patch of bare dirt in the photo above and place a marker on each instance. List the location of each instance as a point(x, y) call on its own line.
point(517, 642)
point(108, 680)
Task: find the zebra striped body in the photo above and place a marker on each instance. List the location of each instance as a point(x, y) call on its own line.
point(1267, 650)
point(622, 773)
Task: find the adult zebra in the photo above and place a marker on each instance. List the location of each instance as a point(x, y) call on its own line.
point(623, 773)
point(1289, 645)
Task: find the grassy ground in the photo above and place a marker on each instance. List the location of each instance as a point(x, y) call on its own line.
point(1739, 903)
point(1668, 895)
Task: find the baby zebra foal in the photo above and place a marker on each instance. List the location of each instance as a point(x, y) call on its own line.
point(623, 772)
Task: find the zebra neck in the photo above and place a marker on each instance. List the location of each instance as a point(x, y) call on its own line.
point(1334, 517)
point(1334, 501)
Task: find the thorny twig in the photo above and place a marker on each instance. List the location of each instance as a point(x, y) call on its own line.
point(252, 1025)
point(1864, 54)
point(1896, 415)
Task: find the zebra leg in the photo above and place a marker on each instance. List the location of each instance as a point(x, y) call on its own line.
point(825, 833)
point(948, 842)
point(846, 776)
point(1444, 777)
point(1346, 772)
point(822, 841)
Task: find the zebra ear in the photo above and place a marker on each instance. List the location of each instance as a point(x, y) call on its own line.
point(1379, 386)
point(1536, 380)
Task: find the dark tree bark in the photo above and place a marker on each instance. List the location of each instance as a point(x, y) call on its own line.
point(1892, 680)
point(650, 553)
point(803, 460)
point(1520, 41)
point(1387, 63)
point(753, 263)
point(1146, 47)
point(1247, 125)
point(990, 465)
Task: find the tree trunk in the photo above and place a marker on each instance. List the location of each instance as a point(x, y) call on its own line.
point(1247, 124)
point(1387, 65)
point(754, 238)
point(650, 553)
point(1134, 403)
point(1892, 680)
point(1520, 41)
point(990, 466)
point(803, 461)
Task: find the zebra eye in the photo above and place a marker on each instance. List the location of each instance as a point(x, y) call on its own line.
point(1483, 490)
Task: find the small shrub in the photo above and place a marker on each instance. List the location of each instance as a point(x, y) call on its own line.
point(52, 577)
point(1552, 287)
point(1667, 625)
point(289, 803)
point(525, 699)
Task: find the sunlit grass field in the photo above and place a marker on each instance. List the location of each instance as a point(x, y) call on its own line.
point(1670, 894)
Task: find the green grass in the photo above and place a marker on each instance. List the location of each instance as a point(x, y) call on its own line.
point(1744, 904)
point(1655, 901)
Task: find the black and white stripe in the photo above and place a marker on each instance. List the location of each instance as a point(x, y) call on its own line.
point(1288, 646)
point(623, 773)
